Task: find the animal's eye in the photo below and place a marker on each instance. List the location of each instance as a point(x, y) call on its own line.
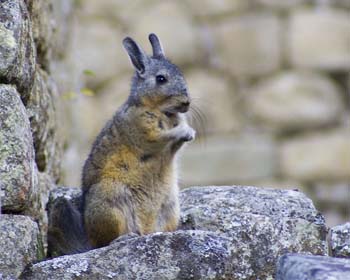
point(161, 79)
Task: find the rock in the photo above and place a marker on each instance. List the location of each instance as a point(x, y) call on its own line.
point(17, 166)
point(64, 26)
point(262, 224)
point(37, 208)
point(211, 8)
point(20, 245)
point(296, 100)
point(179, 36)
point(224, 159)
point(340, 241)
point(175, 255)
point(43, 109)
point(258, 224)
point(41, 14)
point(111, 58)
point(304, 267)
point(328, 30)
point(321, 156)
point(256, 52)
point(17, 51)
point(280, 5)
point(217, 100)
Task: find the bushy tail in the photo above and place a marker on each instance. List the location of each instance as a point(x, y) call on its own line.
point(66, 233)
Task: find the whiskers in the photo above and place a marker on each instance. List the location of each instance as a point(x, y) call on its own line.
point(198, 120)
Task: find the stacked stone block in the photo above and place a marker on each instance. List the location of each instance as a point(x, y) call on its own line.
point(30, 139)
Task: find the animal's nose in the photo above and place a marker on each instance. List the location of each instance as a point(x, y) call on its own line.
point(183, 108)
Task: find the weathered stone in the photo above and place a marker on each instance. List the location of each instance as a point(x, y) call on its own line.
point(178, 35)
point(280, 5)
point(109, 60)
point(317, 156)
point(225, 159)
point(340, 241)
point(38, 204)
point(209, 8)
point(216, 99)
point(17, 166)
point(43, 109)
point(176, 255)
point(41, 14)
point(293, 101)
point(249, 44)
point(20, 245)
point(17, 51)
point(262, 224)
point(304, 267)
point(328, 30)
point(63, 12)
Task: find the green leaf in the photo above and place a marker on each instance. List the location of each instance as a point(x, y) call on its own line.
point(88, 72)
point(87, 92)
point(69, 95)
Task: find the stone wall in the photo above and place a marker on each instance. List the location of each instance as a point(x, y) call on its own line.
point(34, 42)
point(271, 78)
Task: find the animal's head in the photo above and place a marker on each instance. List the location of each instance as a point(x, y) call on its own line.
point(157, 82)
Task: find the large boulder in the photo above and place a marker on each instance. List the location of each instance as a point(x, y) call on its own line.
point(340, 241)
point(176, 255)
point(20, 245)
point(17, 51)
point(304, 267)
point(246, 228)
point(18, 176)
point(261, 223)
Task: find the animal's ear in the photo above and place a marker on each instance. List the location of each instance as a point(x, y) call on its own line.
point(156, 45)
point(136, 55)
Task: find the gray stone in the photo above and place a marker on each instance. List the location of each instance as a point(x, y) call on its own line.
point(219, 116)
point(248, 45)
point(261, 223)
point(179, 35)
point(38, 204)
point(17, 51)
point(296, 100)
point(41, 14)
point(224, 159)
point(176, 255)
point(43, 107)
point(111, 58)
point(17, 165)
point(328, 30)
point(321, 156)
point(340, 241)
point(20, 245)
point(304, 267)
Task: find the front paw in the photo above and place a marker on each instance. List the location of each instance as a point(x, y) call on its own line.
point(189, 134)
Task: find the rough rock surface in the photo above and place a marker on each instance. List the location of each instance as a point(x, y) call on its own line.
point(17, 166)
point(176, 255)
point(38, 203)
point(340, 241)
point(43, 107)
point(296, 100)
point(17, 51)
point(20, 245)
point(262, 224)
point(259, 224)
point(305, 267)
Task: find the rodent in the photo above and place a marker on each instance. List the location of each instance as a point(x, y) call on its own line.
point(129, 180)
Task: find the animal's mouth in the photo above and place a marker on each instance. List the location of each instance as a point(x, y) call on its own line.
point(182, 108)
